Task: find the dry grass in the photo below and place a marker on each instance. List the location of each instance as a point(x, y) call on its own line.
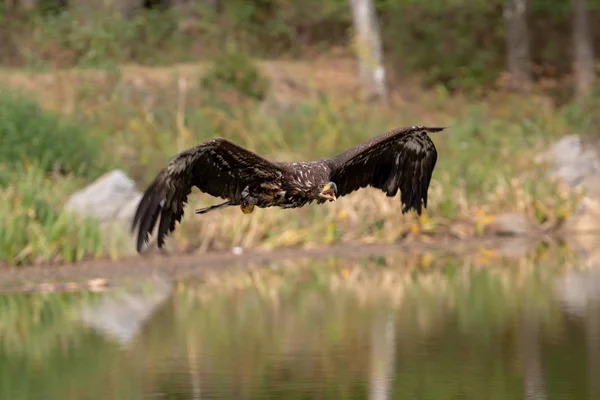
point(315, 109)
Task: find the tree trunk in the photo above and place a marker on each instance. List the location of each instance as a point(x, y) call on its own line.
point(517, 43)
point(583, 63)
point(368, 46)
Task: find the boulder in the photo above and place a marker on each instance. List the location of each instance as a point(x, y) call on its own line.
point(575, 161)
point(572, 159)
point(112, 197)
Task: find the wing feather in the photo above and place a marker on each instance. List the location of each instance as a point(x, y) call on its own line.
point(402, 159)
point(217, 167)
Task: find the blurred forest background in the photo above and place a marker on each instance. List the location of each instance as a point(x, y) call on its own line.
point(89, 86)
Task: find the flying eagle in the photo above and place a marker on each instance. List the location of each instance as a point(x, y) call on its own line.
point(403, 158)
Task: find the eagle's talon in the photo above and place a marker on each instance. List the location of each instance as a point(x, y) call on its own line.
point(247, 209)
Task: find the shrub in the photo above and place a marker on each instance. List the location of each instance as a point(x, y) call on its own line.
point(29, 134)
point(236, 71)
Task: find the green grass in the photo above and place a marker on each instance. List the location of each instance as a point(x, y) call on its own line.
point(33, 229)
point(485, 163)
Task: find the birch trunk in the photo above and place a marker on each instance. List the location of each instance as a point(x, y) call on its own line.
point(583, 63)
point(517, 43)
point(367, 41)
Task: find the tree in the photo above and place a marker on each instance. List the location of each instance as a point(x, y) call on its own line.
point(583, 62)
point(367, 40)
point(517, 43)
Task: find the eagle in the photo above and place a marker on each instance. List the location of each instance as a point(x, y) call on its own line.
point(401, 159)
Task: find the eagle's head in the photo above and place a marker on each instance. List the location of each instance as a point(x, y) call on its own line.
point(328, 191)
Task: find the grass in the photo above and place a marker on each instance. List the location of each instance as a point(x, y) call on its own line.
point(144, 116)
point(34, 229)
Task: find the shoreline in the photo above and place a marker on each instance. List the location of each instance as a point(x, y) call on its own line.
point(94, 275)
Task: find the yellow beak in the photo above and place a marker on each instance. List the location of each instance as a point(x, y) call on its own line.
point(327, 188)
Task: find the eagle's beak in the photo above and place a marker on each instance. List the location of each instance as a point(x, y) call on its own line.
point(328, 192)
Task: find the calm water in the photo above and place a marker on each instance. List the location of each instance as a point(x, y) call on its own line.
point(387, 327)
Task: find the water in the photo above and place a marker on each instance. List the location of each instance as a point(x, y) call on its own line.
point(392, 326)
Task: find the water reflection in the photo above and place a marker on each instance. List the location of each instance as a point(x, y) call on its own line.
point(394, 326)
point(120, 314)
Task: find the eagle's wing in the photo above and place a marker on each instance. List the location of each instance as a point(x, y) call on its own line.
point(403, 159)
point(217, 167)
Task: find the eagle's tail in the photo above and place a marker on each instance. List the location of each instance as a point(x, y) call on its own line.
point(165, 197)
point(214, 207)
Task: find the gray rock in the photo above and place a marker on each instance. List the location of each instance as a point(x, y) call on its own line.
point(572, 159)
point(510, 224)
point(576, 161)
point(111, 197)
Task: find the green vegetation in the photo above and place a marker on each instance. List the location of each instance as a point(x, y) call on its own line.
point(92, 109)
point(33, 229)
point(43, 157)
point(485, 166)
point(30, 135)
point(459, 44)
point(235, 71)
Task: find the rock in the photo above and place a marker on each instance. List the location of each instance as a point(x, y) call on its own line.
point(111, 197)
point(576, 161)
point(509, 224)
point(586, 218)
point(591, 185)
point(572, 159)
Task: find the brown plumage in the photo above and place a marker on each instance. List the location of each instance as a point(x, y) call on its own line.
point(402, 159)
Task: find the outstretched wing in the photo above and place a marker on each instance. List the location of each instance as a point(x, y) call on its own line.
point(403, 159)
point(217, 167)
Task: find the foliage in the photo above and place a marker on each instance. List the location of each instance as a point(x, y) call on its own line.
point(74, 38)
point(459, 44)
point(32, 227)
point(485, 167)
point(235, 70)
point(444, 47)
point(29, 134)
